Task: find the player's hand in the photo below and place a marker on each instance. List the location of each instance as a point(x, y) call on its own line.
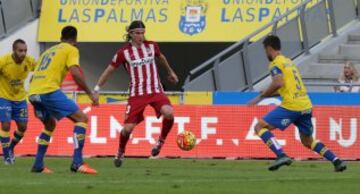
point(173, 78)
point(95, 98)
point(254, 101)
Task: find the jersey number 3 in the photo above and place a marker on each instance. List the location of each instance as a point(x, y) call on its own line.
point(297, 79)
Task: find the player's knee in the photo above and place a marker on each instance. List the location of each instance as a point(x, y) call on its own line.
point(258, 127)
point(50, 125)
point(82, 118)
point(22, 127)
point(168, 113)
point(128, 129)
point(169, 116)
point(306, 143)
point(6, 126)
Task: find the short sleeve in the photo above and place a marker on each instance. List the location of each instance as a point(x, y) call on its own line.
point(157, 49)
point(73, 58)
point(118, 59)
point(275, 70)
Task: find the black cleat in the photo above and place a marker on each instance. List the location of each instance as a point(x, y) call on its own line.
point(157, 148)
point(279, 162)
point(119, 159)
point(339, 165)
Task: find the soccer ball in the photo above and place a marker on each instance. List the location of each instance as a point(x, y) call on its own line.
point(186, 140)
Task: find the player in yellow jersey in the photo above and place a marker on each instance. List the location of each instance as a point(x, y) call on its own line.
point(51, 104)
point(14, 69)
point(296, 108)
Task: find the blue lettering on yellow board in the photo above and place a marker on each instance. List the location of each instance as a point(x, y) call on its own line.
point(74, 17)
point(60, 16)
point(263, 13)
point(87, 17)
point(113, 15)
point(99, 13)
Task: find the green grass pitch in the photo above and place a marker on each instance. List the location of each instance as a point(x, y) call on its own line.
point(180, 176)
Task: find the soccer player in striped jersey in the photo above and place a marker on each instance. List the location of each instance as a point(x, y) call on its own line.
point(140, 58)
point(296, 108)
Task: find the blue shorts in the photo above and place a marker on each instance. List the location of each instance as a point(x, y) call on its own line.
point(281, 118)
point(52, 105)
point(13, 110)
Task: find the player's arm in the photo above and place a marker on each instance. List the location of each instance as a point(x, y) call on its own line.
point(162, 61)
point(104, 77)
point(276, 83)
point(275, 94)
point(80, 81)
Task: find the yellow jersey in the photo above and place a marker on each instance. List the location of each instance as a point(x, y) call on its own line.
point(52, 67)
point(293, 92)
point(13, 75)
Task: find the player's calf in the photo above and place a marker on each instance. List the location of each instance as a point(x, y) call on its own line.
point(124, 138)
point(167, 124)
point(17, 137)
point(322, 150)
point(5, 143)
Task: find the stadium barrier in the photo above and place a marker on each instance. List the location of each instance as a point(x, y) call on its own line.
point(222, 131)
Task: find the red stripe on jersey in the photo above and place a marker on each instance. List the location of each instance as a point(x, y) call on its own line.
point(141, 66)
point(147, 70)
point(135, 80)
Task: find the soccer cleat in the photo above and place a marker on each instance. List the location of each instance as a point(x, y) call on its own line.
point(83, 168)
point(12, 155)
point(339, 165)
point(119, 159)
point(44, 170)
point(157, 148)
point(9, 161)
point(279, 162)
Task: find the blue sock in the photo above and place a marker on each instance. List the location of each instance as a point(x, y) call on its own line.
point(321, 149)
point(79, 140)
point(269, 139)
point(43, 144)
point(5, 142)
point(18, 135)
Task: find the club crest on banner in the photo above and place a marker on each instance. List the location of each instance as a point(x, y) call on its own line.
point(193, 16)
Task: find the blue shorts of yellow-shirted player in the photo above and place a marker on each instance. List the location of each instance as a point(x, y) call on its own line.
point(13, 110)
point(17, 111)
point(282, 118)
point(55, 104)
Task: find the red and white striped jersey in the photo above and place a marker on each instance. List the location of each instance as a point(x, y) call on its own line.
point(141, 66)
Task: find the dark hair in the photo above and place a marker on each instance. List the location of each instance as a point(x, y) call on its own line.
point(69, 33)
point(17, 41)
point(134, 24)
point(273, 42)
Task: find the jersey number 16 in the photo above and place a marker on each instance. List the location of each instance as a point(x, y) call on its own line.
point(45, 62)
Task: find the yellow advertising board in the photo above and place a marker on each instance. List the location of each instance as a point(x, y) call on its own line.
point(166, 20)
